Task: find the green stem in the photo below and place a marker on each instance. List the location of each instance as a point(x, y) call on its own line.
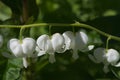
point(50, 30)
point(107, 42)
point(63, 25)
point(20, 34)
point(73, 29)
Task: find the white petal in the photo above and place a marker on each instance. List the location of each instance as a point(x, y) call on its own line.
point(69, 40)
point(52, 58)
point(91, 57)
point(86, 49)
point(58, 43)
point(112, 56)
point(81, 40)
point(105, 69)
point(50, 47)
point(75, 54)
point(15, 47)
point(39, 52)
point(90, 47)
point(25, 63)
point(42, 42)
point(117, 65)
point(28, 46)
point(99, 54)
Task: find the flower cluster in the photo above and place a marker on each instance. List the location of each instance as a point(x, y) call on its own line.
point(59, 43)
point(45, 44)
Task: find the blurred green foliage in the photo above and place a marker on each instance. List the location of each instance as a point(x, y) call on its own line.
point(103, 14)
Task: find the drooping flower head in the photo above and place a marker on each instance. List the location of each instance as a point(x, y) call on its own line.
point(58, 42)
point(22, 49)
point(82, 42)
point(44, 45)
point(70, 43)
point(107, 57)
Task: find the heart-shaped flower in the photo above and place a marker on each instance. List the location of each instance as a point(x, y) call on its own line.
point(23, 49)
point(69, 40)
point(78, 41)
point(44, 45)
point(70, 43)
point(82, 42)
point(110, 56)
point(58, 43)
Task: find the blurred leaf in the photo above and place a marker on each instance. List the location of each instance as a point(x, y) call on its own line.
point(12, 74)
point(13, 69)
point(5, 12)
point(94, 38)
point(116, 72)
point(15, 5)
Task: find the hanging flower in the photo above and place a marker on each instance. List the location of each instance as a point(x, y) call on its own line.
point(58, 43)
point(70, 43)
point(22, 49)
point(82, 42)
point(107, 57)
point(78, 41)
point(69, 40)
point(44, 46)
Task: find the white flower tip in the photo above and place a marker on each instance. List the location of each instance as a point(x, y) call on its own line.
point(90, 47)
point(52, 58)
point(105, 69)
point(25, 63)
point(117, 65)
point(75, 56)
point(39, 52)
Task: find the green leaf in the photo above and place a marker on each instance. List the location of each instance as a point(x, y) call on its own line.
point(13, 69)
point(5, 12)
point(17, 63)
point(15, 5)
point(12, 74)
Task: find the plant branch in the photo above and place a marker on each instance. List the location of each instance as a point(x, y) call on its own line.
point(77, 24)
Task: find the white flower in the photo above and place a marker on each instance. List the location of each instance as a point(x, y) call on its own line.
point(44, 46)
point(23, 49)
point(70, 43)
point(112, 56)
point(82, 42)
point(107, 57)
point(58, 43)
point(69, 40)
point(1, 41)
point(78, 41)
point(50, 45)
point(16, 47)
